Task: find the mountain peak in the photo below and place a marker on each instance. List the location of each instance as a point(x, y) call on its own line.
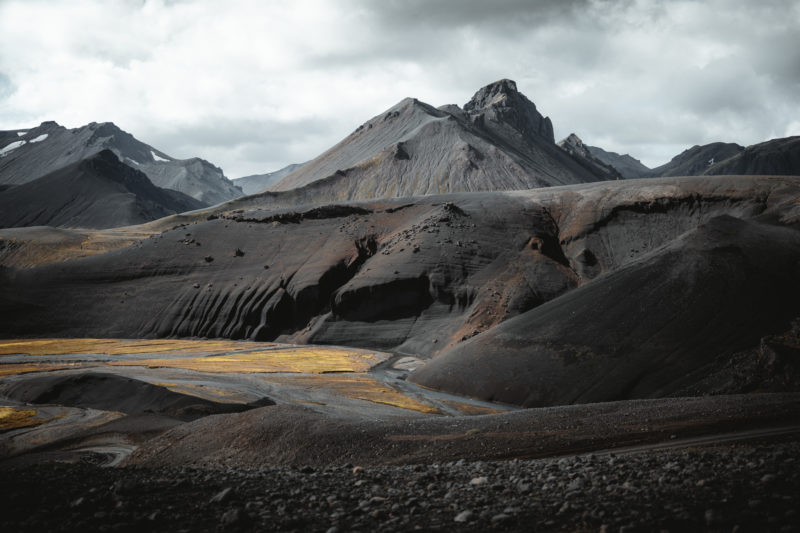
point(573, 143)
point(501, 102)
point(492, 94)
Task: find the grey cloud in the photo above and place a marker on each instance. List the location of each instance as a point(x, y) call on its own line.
point(647, 77)
point(447, 13)
point(6, 87)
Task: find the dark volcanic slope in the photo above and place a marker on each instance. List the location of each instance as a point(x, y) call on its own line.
point(629, 167)
point(644, 330)
point(498, 141)
point(98, 192)
point(110, 392)
point(49, 147)
point(698, 159)
point(614, 260)
point(779, 157)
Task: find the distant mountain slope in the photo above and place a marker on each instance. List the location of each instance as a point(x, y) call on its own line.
point(696, 160)
point(48, 147)
point(629, 167)
point(779, 157)
point(498, 141)
point(97, 192)
point(573, 145)
point(258, 182)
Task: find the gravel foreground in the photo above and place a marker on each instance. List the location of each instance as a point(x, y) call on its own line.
point(742, 487)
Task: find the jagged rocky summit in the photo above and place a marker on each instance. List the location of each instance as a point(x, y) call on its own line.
point(573, 145)
point(497, 141)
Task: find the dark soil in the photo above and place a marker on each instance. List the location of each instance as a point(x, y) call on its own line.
point(744, 487)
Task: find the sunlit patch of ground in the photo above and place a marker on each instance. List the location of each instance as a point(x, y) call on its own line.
point(15, 369)
point(357, 387)
point(125, 347)
point(32, 247)
point(307, 360)
point(469, 409)
point(207, 392)
point(15, 418)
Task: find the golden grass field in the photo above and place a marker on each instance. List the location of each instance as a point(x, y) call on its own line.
point(201, 356)
point(15, 418)
point(307, 360)
point(336, 371)
point(358, 387)
point(124, 346)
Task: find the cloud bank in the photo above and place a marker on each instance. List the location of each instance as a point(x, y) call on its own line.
point(252, 86)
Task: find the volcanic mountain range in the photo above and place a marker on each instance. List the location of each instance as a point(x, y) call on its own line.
point(497, 141)
point(26, 155)
point(587, 288)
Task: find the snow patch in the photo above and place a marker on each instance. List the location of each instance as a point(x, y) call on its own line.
point(39, 139)
point(156, 158)
point(21, 133)
point(9, 147)
point(133, 161)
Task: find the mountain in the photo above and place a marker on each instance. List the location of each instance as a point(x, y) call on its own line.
point(589, 292)
point(498, 141)
point(673, 313)
point(627, 166)
point(778, 157)
point(96, 192)
point(26, 155)
point(258, 182)
point(697, 160)
point(573, 145)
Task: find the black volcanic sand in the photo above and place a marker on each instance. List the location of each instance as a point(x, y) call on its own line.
point(110, 392)
point(747, 487)
point(647, 329)
point(620, 289)
point(289, 434)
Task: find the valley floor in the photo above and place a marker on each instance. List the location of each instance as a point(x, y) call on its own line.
point(181, 435)
point(751, 486)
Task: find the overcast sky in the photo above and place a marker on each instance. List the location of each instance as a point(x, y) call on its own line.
point(253, 85)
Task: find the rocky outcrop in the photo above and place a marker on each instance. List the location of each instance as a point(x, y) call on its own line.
point(500, 106)
point(574, 146)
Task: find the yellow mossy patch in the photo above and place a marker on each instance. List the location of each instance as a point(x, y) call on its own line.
point(206, 392)
point(41, 249)
point(358, 388)
point(124, 346)
point(13, 418)
point(26, 368)
point(467, 409)
point(311, 360)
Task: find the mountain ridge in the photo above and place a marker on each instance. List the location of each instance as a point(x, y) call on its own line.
point(499, 141)
point(59, 146)
point(96, 192)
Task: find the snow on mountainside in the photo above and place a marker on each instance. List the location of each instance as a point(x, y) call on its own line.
point(48, 147)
